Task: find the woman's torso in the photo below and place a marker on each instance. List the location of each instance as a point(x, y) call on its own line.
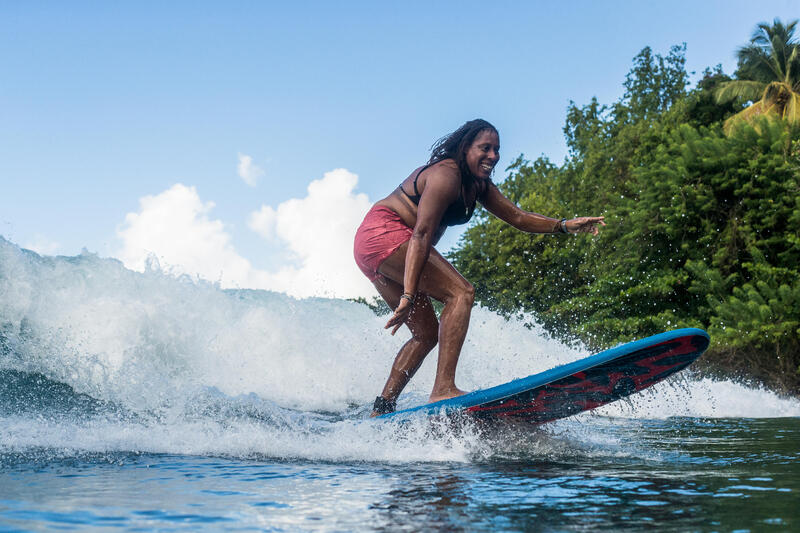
point(404, 199)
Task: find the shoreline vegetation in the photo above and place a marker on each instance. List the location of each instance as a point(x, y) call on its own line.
point(700, 188)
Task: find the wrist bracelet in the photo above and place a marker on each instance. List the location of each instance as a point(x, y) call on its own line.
point(562, 224)
point(407, 296)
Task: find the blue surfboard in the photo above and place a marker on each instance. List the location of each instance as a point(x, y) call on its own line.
point(579, 386)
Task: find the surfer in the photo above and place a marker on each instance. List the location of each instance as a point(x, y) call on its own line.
point(394, 247)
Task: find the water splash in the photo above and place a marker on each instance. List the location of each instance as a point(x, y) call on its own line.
point(107, 359)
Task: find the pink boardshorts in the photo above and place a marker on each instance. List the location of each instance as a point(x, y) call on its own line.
point(379, 235)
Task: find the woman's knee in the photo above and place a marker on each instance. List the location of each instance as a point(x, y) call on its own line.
point(463, 294)
point(423, 324)
point(427, 334)
point(469, 293)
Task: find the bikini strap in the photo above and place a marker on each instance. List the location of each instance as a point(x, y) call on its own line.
point(416, 191)
point(417, 196)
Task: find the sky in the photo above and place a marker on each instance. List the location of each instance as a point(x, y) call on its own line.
point(242, 142)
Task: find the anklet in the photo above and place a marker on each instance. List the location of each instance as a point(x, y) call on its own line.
point(383, 406)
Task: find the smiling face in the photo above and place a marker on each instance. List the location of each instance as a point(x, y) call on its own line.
point(483, 154)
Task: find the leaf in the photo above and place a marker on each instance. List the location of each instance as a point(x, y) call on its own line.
point(746, 90)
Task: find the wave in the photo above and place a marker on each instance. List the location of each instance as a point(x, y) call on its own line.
point(96, 357)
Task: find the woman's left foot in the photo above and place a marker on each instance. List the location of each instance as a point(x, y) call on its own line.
point(383, 406)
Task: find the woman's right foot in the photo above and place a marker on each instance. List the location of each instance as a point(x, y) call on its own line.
point(446, 394)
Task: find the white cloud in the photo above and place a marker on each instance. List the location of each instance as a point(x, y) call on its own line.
point(176, 226)
point(249, 171)
point(263, 222)
point(319, 231)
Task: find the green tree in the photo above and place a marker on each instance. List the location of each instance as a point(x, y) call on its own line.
point(562, 280)
point(769, 75)
point(703, 227)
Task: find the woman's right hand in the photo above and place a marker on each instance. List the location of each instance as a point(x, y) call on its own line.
point(585, 225)
point(400, 315)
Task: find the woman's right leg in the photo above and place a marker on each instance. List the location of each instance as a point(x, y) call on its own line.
point(424, 333)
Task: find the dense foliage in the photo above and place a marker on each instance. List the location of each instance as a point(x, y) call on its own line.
point(703, 226)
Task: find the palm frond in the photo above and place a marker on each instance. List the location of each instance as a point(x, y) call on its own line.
point(776, 92)
point(746, 115)
point(731, 90)
point(751, 54)
point(780, 52)
point(792, 110)
point(790, 30)
point(755, 64)
point(793, 66)
point(768, 107)
point(761, 35)
point(764, 33)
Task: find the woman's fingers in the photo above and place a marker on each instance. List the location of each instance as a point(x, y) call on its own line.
point(588, 224)
point(400, 315)
point(397, 320)
point(596, 222)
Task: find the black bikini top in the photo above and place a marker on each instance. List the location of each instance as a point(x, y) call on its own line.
point(458, 212)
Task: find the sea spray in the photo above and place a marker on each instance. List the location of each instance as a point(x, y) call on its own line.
point(149, 340)
point(111, 360)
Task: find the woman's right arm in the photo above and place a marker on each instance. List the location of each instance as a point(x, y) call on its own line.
point(442, 187)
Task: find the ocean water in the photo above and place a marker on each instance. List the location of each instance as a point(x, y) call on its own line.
point(140, 401)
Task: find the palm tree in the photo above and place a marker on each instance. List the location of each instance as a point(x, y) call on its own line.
point(769, 75)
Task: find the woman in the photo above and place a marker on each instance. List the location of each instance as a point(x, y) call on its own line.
point(394, 249)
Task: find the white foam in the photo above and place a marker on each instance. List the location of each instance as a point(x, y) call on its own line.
point(161, 348)
point(343, 441)
point(688, 396)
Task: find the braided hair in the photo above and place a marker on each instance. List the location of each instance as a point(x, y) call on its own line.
point(454, 145)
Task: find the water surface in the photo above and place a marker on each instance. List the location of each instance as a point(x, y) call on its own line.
point(676, 474)
point(138, 401)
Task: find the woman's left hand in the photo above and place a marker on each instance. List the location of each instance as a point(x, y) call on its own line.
point(585, 225)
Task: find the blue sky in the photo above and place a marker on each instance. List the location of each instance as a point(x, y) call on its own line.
point(103, 104)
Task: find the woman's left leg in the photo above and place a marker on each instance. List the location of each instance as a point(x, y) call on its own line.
point(424, 335)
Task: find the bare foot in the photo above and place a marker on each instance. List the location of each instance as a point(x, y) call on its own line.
point(446, 394)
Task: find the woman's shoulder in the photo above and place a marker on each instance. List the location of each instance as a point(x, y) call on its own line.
point(444, 173)
point(445, 167)
point(448, 164)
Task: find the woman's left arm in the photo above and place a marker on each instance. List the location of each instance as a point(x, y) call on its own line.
point(507, 211)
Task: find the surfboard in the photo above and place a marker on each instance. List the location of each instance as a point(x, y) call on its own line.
point(578, 386)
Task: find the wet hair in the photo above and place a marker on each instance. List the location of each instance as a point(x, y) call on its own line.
point(454, 145)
